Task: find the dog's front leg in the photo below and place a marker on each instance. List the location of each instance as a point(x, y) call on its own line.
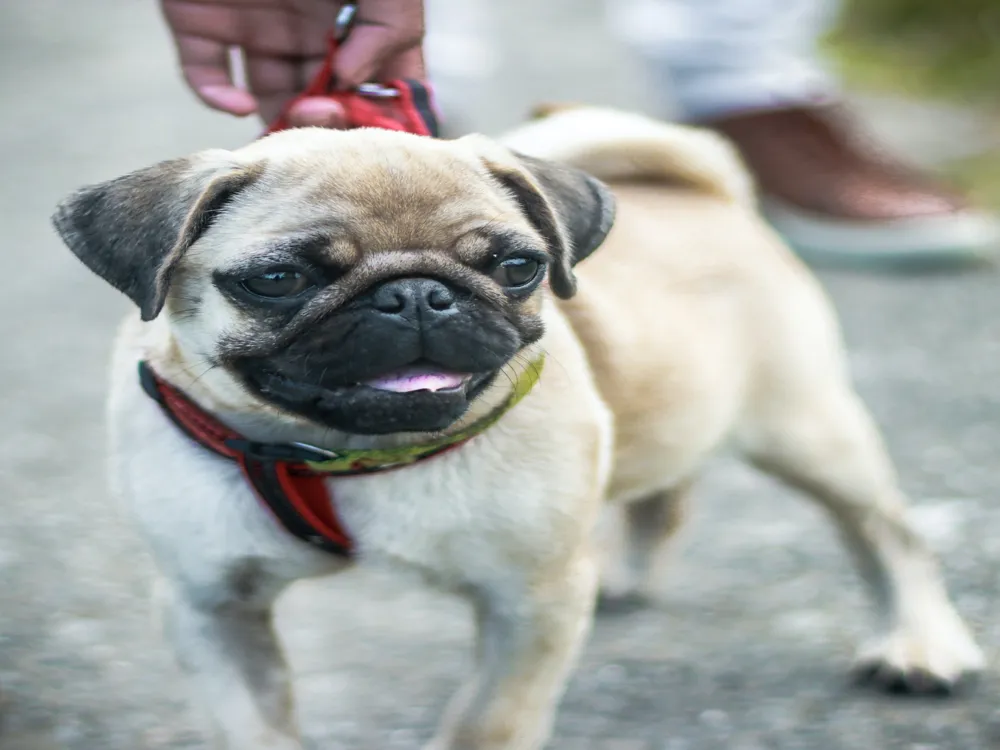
point(227, 646)
point(527, 645)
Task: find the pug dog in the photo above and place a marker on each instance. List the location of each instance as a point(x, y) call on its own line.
point(377, 293)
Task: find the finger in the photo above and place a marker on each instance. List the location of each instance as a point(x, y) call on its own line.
point(204, 31)
point(317, 112)
point(406, 64)
point(203, 51)
point(276, 81)
point(205, 64)
point(383, 29)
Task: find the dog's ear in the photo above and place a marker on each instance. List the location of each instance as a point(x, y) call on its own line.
point(132, 231)
point(570, 209)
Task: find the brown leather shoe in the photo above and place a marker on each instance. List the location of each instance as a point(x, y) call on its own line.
point(832, 192)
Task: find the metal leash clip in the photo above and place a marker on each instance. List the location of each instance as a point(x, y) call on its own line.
point(345, 19)
point(377, 91)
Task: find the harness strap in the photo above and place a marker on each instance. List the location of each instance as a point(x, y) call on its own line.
point(300, 502)
point(401, 104)
point(295, 494)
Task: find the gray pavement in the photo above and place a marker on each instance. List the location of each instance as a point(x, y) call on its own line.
point(749, 647)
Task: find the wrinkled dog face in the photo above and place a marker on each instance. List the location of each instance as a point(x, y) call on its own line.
point(372, 282)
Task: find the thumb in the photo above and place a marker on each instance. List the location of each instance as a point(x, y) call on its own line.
point(386, 34)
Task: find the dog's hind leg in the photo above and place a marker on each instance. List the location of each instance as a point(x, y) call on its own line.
point(814, 433)
point(635, 537)
point(225, 643)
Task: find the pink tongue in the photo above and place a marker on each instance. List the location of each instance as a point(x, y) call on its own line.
point(417, 379)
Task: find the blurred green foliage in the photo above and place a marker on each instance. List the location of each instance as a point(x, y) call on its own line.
point(942, 47)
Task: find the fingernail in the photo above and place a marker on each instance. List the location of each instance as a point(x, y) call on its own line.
point(230, 99)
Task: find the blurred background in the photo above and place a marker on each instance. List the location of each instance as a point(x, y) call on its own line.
point(748, 648)
point(925, 49)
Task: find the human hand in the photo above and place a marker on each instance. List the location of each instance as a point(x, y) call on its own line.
point(283, 44)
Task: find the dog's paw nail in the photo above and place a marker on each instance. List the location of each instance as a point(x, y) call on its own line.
point(918, 682)
point(864, 673)
point(620, 604)
point(914, 681)
point(941, 663)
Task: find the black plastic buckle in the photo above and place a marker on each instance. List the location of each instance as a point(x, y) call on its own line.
point(148, 382)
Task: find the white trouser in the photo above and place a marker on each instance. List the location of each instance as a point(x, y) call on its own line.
point(722, 56)
point(706, 57)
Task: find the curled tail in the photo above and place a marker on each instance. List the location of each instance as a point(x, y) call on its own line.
point(615, 145)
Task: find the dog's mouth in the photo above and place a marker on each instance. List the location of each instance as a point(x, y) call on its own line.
point(419, 397)
point(416, 378)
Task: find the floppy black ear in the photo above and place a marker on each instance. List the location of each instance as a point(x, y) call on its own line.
point(133, 230)
point(572, 210)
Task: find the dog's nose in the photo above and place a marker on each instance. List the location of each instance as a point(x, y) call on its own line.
point(412, 297)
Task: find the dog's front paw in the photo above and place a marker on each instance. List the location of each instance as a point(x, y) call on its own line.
point(925, 661)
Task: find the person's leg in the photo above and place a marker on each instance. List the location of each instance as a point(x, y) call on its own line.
point(710, 58)
point(750, 69)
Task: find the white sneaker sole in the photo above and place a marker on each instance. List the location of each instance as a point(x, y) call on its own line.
point(964, 237)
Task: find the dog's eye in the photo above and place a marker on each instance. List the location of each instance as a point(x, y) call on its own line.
point(277, 284)
point(516, 272)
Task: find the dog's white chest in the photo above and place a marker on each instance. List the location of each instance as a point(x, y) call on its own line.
point(451, 512)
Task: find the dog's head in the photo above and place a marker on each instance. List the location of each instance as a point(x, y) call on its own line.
point(369, 281)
